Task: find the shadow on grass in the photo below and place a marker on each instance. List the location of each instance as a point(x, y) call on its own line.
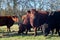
point(50, 36)
point(13, 34)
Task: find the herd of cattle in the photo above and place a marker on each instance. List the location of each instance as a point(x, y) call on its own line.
point(35, 19)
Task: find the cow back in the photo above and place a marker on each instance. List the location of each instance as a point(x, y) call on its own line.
point(6, 20)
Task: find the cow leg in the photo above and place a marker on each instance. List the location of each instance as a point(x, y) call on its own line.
point(35, 30)
point(8, 29)
point(26, 31)
point(38, 28)
point(47, 31)
point(30, 30)
point(58, 32)
point(42, 29)
point(52, 31)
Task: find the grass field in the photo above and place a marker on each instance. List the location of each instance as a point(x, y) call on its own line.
point(4, 35)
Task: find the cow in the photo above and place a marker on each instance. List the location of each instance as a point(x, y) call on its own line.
point(25, 25)
point(25, 19)
point(53, 22)
point(8, 21)
point(37, 19)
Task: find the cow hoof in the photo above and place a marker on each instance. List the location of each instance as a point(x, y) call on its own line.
point(26, 33)
point(45, 34)
point(59, 34)
point(55, 32)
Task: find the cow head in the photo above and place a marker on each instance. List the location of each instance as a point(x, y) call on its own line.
point(33, 11)
point(32, 16)
point(21, 28)
point(15, 18)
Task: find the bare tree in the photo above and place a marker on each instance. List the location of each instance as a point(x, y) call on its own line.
point(0, 6)
point(21, 6)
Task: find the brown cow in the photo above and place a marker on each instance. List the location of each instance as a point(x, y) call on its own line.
point(8, 21)
point(25, 25)
point(37, 19)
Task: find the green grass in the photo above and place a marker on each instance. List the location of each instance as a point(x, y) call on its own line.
point(4, 35)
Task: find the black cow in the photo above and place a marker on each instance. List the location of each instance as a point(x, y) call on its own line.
point(53, 22)
point(8, 21)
